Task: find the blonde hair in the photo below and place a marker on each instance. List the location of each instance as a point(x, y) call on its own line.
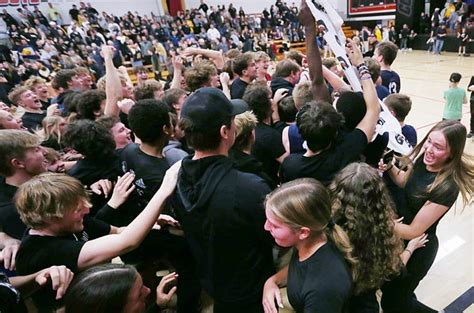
point(305, 202)
point(47, 197)
point(82, 70)
point(245, 123)
point(102, 81)
point(51, 128)
point(261, 56)
point(199, 75)
point(302, 94)
point(15, 95)
point(13, 144)
point(33, 81)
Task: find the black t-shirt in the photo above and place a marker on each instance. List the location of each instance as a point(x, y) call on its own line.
point(40, 252)
point(280, 126)
point(45, 104)
point(88, 171)
point(52, 142)
point(237, 89)
point(321, 283)
point(416, 193)
point(149, 173)
point(267, 148)
point(221, 212)
point(10, 221)
point(441, 31)
point(32, 121)
point(324, 166)
point(391, 80)
point(249, 164)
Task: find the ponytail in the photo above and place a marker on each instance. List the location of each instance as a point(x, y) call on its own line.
point(339, 237)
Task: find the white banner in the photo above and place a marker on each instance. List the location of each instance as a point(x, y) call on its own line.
point(325, 15)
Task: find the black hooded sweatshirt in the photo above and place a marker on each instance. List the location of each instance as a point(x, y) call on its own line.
point(222, 215)
point(279, 82)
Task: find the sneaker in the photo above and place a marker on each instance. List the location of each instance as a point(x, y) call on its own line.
point(470, 135)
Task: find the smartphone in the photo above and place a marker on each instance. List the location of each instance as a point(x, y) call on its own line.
point(388, 157)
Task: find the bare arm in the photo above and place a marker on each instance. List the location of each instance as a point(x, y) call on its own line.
point(216, 56)
point(318, 84)
point(177, 72)
point(285, 139)
point(224, 79)
point(113, 86)
point(368, 123)
point(335, 81)
point(107, 247)
point(427, 216)
point(282, 157)
point(398, 176)
point(60, 277)
point(415, 243)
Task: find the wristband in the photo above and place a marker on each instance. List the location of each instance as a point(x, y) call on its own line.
point(362, 66)
point(408, 251)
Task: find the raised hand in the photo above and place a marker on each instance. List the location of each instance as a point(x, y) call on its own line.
point(305, 16)
point(123, 188)
point(163, 296)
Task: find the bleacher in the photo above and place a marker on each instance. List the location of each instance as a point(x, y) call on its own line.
point(299, 46)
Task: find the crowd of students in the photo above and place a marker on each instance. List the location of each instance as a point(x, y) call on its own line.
point(240, 176)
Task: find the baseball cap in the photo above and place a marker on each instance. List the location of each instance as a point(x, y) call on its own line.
point(209, 107)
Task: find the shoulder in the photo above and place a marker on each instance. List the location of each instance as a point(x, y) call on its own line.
point(330, 284)
point(267, 131)
point(294, 159)
point(251, 182)
point(39, 252)
point(354, 138)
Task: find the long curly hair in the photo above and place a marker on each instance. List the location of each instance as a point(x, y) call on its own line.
point(363, 208)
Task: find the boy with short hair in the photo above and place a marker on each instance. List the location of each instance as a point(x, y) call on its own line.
point(400, 105)
point(30, 104)
point(174, 98)
point(455, 97)
point(385, 53)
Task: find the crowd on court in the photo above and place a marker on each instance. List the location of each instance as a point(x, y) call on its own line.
point(235, 173)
